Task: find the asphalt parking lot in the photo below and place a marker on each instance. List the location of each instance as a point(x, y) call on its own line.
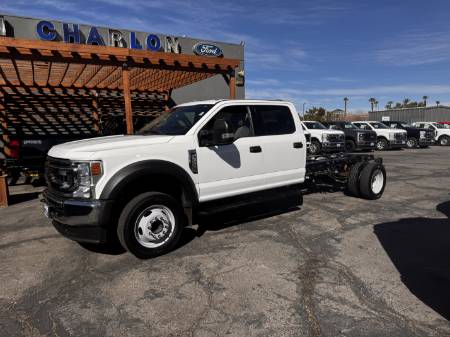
point(336, 266)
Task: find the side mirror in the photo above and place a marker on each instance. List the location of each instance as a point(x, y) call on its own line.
point(205, 138)
point(221, 132)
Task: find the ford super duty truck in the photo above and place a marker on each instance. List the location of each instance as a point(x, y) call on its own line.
point(143, 189)
point(323, 139)
point(387, 138)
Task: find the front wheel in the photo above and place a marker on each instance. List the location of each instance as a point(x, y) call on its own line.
point(382, 144)
point(150, 225)
point(444, 141)
point(411, 143)
point(372, 181)
point(315, 147)
point(350, 145)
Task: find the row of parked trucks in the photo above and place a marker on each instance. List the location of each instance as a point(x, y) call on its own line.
point(338, 136)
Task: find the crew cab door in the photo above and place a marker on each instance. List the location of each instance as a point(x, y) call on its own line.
point(231, 161)
point(283, 143)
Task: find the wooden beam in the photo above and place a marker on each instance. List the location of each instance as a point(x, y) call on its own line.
point(232, 85)
point(127, 98)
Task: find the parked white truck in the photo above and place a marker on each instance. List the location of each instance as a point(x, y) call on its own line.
point(441, 132)
point(324, 139)
point(143, 189)
point(387, 138)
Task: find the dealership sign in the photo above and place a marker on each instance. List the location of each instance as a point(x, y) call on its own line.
point(206, 49)
point(71, 33)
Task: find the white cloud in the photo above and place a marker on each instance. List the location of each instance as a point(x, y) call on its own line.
point(415, 48)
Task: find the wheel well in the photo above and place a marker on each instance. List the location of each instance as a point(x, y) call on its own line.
point(443, 136)
point(350, 138)
point(314, 138)
point(382, 137)
point(148, 183)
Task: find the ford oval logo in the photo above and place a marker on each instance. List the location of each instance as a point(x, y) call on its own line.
point(207, 49)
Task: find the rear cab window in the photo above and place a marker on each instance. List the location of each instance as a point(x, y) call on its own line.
point(270, 120)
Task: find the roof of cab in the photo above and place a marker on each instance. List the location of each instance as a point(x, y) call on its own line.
point(215, 101)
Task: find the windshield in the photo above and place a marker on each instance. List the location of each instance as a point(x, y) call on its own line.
point(440, 126)
point(315, 125)
point(349, 126)
point(177, 121)
point(406, 125)
point(378, 125)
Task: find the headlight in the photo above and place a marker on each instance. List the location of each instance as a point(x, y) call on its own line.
point(391, 135)
point(360, 136)
point(422, 134)
point(324, 137)
point(87, 175)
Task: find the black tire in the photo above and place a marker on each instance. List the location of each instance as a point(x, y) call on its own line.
point(444, 141)
point(353, 179)
point(382, 144)
point(315, 147)
point(368, 187)
point(350, 145)
point(130, 224)
point(411, 143)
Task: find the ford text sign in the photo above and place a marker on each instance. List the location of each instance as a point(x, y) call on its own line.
point(206, 49)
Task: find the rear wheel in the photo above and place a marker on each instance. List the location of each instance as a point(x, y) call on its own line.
point(411, 143)
point(353, 179)
point(315, 147)
point(444, 141)
point(382, 144)
point(350, 145)
point(150, 224)
point(372, 181)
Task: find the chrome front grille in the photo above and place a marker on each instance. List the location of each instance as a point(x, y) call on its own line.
point(400, 136)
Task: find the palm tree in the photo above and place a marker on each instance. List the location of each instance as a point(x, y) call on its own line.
point(372, 102)
point(425, 100)
point(406, 102)
point(345, 105)
point(437, 103)
point(376, 105)
point(389, 105)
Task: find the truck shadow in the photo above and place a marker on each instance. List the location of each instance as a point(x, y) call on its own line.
point(245, 214)
point(420, 250)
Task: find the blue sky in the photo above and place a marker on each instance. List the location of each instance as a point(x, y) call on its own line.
point(313, 51)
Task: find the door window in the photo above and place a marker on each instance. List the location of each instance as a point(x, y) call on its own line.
point(228, 125)
point(272, 120)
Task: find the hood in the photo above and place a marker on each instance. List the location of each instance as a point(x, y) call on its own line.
point(396, 130)
point(85, 147)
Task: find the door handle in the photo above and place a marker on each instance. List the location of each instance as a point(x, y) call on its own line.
point(298, 145)
point(255, 149)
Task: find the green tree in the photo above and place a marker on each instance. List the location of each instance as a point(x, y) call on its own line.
point(406, 102)
point(389, 105)
point(316, 114)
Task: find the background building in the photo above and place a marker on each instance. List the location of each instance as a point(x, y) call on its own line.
point(417, 114)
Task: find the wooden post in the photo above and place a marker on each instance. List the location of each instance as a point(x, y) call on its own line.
point(4, 192)
point(232, 85)
point(95, 111)
point(127, 97)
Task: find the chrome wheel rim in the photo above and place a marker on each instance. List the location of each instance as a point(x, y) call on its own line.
point(380, 145)
point(154, 226)
point(444, 141)
point(411, 143)
point(313, 148)
point(377, 181)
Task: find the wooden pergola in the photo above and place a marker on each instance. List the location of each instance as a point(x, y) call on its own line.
point(29, 64)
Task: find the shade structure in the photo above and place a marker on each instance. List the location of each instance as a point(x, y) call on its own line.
point(62, 66)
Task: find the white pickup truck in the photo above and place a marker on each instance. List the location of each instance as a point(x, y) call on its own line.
point(324, 139)
point(387, 138)
point(143, 189)
point(441, 132)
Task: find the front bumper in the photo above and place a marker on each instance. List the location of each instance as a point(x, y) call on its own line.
point(366, 145)
point(397, 144)
point(426, 142)
point(79, 220)
point(333, 147)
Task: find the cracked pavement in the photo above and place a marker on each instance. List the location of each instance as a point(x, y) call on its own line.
point(336, 266)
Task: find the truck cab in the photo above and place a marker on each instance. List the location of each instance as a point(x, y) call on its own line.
point(441, 133)
point(355, 138)
point(323, 139)
point(387, 138)
point(417, 137)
